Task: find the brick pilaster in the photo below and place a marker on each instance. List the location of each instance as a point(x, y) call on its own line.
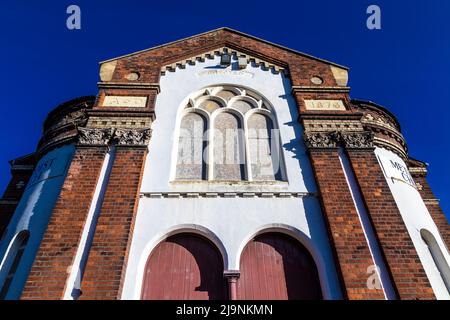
point(347, 235)
point(408, 275)
point(107, 258)
point(49, 272)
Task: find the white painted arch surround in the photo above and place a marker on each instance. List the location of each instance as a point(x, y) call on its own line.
point(228, 222)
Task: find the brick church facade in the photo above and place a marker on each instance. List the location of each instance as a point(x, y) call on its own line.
point(133, 194)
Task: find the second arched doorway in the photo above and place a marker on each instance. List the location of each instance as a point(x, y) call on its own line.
point(275, 266)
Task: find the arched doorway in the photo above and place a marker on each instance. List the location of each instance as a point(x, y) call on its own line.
point(184, 267)
point(275, 266)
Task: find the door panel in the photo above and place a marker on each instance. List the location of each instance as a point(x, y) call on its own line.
point(277, 267)
point(184, 267)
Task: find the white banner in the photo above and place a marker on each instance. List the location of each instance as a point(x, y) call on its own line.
point(396, 170)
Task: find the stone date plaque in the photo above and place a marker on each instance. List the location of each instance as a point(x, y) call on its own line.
point(125, 101)
point(319, 105)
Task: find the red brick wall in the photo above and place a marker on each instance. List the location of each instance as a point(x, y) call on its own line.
point(106, 264)
point(49, 272)
point(346, 233)
point(149, 63)
point(407, 271)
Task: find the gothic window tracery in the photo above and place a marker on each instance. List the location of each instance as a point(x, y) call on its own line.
point(228, 133)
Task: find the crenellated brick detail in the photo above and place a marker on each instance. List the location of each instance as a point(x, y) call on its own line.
point(50, 269)
point(407, 272)
point(106, 263)
point(345, 230)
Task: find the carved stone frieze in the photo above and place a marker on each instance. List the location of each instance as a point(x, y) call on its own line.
point(379, 120)
point(106, 136)
point(132, 137)
point(333, 139)
point(357, 140)
point(316, 140)
point(332, 125)
point(89, 136)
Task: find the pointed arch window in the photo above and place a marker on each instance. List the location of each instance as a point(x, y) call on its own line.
point(235, 131)
point(264, 148)
point(229, 152)
point(191, 164)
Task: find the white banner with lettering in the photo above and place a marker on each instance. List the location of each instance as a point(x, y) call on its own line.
point(396, 170)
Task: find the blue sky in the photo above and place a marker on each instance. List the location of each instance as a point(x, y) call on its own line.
point(405, 66)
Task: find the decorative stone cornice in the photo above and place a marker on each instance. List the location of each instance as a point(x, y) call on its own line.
point(178, 195)
point(94, 137)
point(106, 136)
point(418, 170)
point(382, 115)
point(357, 140)
point(132, 137)
point(333, 139)
point(431, 201)
point(388, 145)
point(129, 85)
point(332, 125)
point(320, 140)
point(321, 89)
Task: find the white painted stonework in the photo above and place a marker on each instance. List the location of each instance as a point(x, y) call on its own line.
point(33, 212)
point(416, 217)
point(230, 222)
point(226, 72)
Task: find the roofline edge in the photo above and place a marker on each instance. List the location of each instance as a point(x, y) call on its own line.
point(232, 30)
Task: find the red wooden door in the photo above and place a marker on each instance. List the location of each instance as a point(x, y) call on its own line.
point(277, 267)
point(184, 267)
